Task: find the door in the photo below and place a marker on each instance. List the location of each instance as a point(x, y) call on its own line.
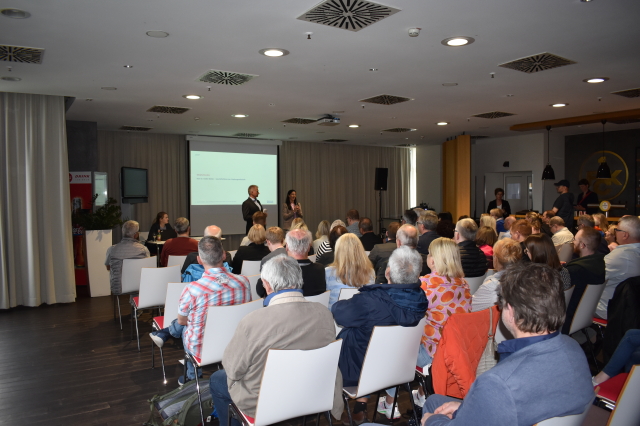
point(518, 190)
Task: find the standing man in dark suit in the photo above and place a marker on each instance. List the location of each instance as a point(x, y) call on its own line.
point(251, 205)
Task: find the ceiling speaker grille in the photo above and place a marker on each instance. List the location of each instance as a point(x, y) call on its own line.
point(625, 121)
point(351, 15)
point(479, 137)
point(136, 128)
point(493, 114)
point(335, 140)
point(300, 120)
point(226, 77)
point(162, 109)
point(537, 63)
point(386, 100)
point(29, 55)
point(630, 93)
point(247, 135)
point(399, 130)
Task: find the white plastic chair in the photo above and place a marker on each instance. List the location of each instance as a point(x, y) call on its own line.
point(474, 283)
point(250, 267)
point(627, 411)
point(347, 293)
point(171, 303)
point(289, 369)
point(567, 295)
point(153, 290)
point(232, 253)
point(572, 420)
point(253, 280)
point(312, 258)
point(130, 277)
point(489, 273)
point(367, 253)
point(565, 252)
point(322, 298)
point(388, 365)
point(583, 317)
point(176, 260)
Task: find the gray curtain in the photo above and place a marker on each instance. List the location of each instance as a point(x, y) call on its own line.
point(330, 179)
point(163, 155)
point(36, 251)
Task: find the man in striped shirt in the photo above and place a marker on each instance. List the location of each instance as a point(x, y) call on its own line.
point(217, 287)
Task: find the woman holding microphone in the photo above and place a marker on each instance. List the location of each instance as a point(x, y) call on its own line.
point(291, 209)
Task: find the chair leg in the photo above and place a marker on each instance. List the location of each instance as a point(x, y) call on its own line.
point(329, 418)
point(593, 355)
point(375, 411)
point(199, 398)
point(413, 405)
point(318, 419)
point(346, 404)
point(137, 332)
point(164, 375)
point(119, 312)
point(153, 357)
point(395, 402)
point(304, 420)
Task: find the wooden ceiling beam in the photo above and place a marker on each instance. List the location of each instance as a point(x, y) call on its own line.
point(576, 121)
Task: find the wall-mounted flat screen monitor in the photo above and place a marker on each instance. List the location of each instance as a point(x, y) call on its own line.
point(134, 185)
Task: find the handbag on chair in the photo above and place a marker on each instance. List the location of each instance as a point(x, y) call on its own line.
point(488, 357)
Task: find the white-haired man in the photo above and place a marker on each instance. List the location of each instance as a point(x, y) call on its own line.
point(128, 248)
point(407, 235)
point(298, 242)
point(180, 246)
point(287, 322)
point(474, 261)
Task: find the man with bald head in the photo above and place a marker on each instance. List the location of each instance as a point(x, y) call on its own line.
point(192, 258)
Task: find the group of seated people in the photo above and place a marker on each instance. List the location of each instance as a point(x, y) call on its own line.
point(414, 273)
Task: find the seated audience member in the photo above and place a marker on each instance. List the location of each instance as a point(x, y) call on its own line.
point(487, 220)
point(588, 221)
point(474, 261)
point(546, 217)
point(409, 217)
point(322, 235)
point(298, 223)
point(287, 322)
point(350, 269)
point(128, 248)
point(520, 231)
point(464, 216)
point(445, 216)
point(325, 246)
point(401, 302)
point(529, 216)
point(626, 355)
point(610, 237)
point(298, 242)
point(587, 269)
point(275, 243)
point(539, 248)
point(216, 287)
point(508, 223)
point(407, 235)
point(445, 229)
point(520, 389)
point(160, 226)
point(381, 252)
point(427, 224)
point(192, 258)
point(499, 202)
point(180, 246)
point(601, 222)
point(353, 222)
point(485, 239)
point(505, 253)
point(328, 256)
point(254, 251)
point(623, 262)
point(561, 234)
point(259, 218)
point(536, 225)
point(369, 238)
point(498, 215)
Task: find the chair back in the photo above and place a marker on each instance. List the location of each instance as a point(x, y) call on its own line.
point(312, 258)
point(172, 301)
point(347, 293)
point(131, 271)
point(253, 280)
point(386, 365)
point(571, 420)
point(221, 324)
point(367, 253)
point(232, 253)
point(489, 272)
point(176, 260)
point(474, 283)
point(565, 252)
point(627, 411)
point(290, 369)
point(567, 295)
point(322, 298)
point(153, 285)
point(586, 307)
point(250, 267)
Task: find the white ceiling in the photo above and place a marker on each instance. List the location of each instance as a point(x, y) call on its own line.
point(88, 43)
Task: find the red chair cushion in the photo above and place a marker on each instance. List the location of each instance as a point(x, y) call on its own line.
point(198, 360)
point(159, 321)
point(611, 388)
point(600, 321)
point(419, 369)
point(135, 301)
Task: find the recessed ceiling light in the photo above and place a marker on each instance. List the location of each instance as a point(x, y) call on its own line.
point(193, 97)
point(442, 123)
point(510, 96)
point(88, 99)
point(596, 80)
point(239, 115)
point(128, 66)
point(15, 13)
point(157, 34)
point(274, 52)
point(585, 1)
point(558, 105)
point(11, 78)
point(354, 126)
point(109, 88)
point(457, 41)
point(373, 69)
point(449, 84)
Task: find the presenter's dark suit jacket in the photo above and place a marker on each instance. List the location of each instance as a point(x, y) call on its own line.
point(248, 209)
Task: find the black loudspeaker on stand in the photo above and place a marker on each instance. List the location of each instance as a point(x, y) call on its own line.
point(381, 185)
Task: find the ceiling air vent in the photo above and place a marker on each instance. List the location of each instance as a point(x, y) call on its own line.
point(29, 55)
point(335, 140)
point(226, 77)
point(168, 109)
point(300, 120)
point(630, 93)
point(352, 15)
point(136, 128)
point(537, 63)
point(624, 120)
point(479, 137)
point(399, 130)
point(247, 135)
point(386, 99)
point(493, 114)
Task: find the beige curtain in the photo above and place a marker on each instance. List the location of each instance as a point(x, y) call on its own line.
point(36, 250)
point(330, 179)
point(163, 155)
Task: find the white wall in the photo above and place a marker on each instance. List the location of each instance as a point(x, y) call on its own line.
point(429, 175)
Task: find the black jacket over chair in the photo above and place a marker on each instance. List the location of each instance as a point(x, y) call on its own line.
point(623, 313)
point(474, 261)
point(251, 252)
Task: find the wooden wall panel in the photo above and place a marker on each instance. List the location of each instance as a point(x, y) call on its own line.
point(456, 176)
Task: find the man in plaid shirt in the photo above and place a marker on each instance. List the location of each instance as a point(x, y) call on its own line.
point(217, 287)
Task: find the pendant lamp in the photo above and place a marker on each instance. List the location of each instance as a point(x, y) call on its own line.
point(604, 172)
point(548, 173)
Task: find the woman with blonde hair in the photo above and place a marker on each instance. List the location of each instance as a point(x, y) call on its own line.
point(256, 250)
point(602, 223)
point(506, 252)
point(298, 223)
point(351, 268)
point(322, 234)
point(488, 220)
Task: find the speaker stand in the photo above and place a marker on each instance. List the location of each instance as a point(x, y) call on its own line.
point(380, 217)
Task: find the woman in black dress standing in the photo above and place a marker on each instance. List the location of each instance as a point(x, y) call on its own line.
point(499, 203)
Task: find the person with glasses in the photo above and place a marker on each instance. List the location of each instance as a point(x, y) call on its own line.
point(561, 234)
point(623, 262)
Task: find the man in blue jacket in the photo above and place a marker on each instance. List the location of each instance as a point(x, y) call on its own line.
point(402, 302)
point(541, 373)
